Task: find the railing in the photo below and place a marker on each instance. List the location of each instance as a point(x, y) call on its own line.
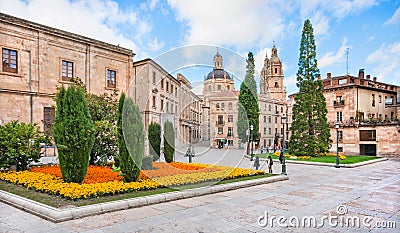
point(220, 123)
point(337, 104)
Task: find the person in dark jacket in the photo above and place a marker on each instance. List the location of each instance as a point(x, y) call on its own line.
point(257, 162)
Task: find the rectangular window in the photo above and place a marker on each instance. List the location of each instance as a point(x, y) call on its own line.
point(154, 77)
point(269, 142)
point(167, 86)
point(111, 78)
point(269, 119)
point(223, 106)
point(282, 130)
point(162, 83)
point(269, 130)
point(68, 70)
point(265, 107)
point(230, 118)
point(339, 116)
point(10, 60)
point(230, 142)
point(276, 120)
point(230, 131)
point(162, 105)
point(367, 135)
point(373, 100)
point(220, 130)
point(340, 136)
point(269, 108)
point(219, 87)
point(265, 130)
point(176, 92)
point(220, 120)
point(380, 99)
point(48, 118)
point(154, 102)
point(265, 119)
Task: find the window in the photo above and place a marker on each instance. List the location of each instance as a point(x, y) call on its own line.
point(154, 102)
point(220, 120)
point(230, 131)
point(276, 130)
point(228, 87)
point(162, 105)
point(276, 70)
point(176, 108)
point(265, 143)
point(162, 83)
point(265, 119)
point(167, 106)
point(154, 77)
point(10, 60)
point(265, 107)
point(230, 142)
point(111, 78)
point(340, 136)
point(367, 135)
point(167, 85)
point(282, 130)
point(230, 106)
point(172, 88)
point(282, 109)
point(339, 116)
point(48, 118)
point(219, 87)
point(172, 108)
point(223, 106)
point(68, 70)
point(373, 100)
point(269, 142)
point(265, 130)
point(209, 87)
point(276, 110)
point(230, 118)
point(220, 130)
point(217, 106)
point(276, 85)
point(269, 131)
point(380, 99)
point(276, 120)
point(269, 108)
point(176, 92)
point(269, 119)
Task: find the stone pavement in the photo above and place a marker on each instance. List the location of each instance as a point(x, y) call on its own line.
point(369, 193)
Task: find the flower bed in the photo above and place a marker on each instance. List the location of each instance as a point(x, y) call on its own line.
point(48, 179)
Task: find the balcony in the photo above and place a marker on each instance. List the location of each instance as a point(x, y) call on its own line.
point(220, 123)
point(338, 104)
point(229, 135)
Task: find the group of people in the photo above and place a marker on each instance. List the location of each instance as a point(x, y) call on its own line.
point(269, 161)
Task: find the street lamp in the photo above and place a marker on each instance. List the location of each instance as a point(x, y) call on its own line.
point(189, 152)
point(337, 144)
point(251, 134)
point(283, 121)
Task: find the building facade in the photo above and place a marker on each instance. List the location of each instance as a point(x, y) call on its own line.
point(37, 59)
point(220, 105)
point(366, 111)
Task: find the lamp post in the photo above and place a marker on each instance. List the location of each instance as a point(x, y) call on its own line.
point(283, 120)
point(251, 135)
point(190, 142)
point(337, 144)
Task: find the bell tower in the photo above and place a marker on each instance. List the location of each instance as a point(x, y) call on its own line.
point(271, 82)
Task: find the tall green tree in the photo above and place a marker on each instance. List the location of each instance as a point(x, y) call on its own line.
point(154, 136)
point(130, 133)
point(310, 128)
point(248, 103)
point(169, 142)
point(73, 133)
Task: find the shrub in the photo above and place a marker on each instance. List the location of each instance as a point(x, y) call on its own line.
point(154, 136)
point(169, 142)
point(105, 144)
point(130, 139)
point(20, 144)
point(73, 133)
point(147, 163)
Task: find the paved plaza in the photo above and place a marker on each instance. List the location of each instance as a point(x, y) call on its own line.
point(368, 194)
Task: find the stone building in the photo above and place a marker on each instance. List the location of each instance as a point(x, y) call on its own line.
point(220, 105)
point(367, 113)
point(36, 59)
point(161, 96)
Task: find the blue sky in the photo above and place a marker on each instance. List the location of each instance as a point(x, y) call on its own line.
point(368, 29)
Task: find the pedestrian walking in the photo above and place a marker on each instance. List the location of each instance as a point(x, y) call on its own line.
point(257, 162)
point(270, 163)
point(281, 157)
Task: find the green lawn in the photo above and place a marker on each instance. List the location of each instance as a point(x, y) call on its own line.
point(328, 159)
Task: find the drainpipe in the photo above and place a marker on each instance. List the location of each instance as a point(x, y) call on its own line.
point(30, 85)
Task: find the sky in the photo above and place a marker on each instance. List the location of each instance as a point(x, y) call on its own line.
point(349, 34)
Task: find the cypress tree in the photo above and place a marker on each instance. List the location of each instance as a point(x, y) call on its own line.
point(248, 103)
point(73, 133)
point(154, 136)
point(169, 142)
point(310, 129)
point(130, 133)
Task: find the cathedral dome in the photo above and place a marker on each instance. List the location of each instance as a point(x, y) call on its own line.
point(218, 73)
point(275, 59)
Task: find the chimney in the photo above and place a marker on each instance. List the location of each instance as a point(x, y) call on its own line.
point(374, 79)
point(361, 73)
point(368, 76)
point(328, 75)
point(319, 77)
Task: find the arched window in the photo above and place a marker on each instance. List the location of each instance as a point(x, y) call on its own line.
point(230, 106)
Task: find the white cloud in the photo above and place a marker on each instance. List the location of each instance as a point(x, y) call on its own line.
point(243, 23)
point(331, 58)
point(97, 19)
point(290, 81)
point(156, 45)
point(395, 19)
point(386, 61)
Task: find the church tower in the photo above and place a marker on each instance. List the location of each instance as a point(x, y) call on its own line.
point(271, 82)
point(218, 79)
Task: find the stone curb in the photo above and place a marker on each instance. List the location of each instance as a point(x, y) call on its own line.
point(330, 164)
point(60, 215)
